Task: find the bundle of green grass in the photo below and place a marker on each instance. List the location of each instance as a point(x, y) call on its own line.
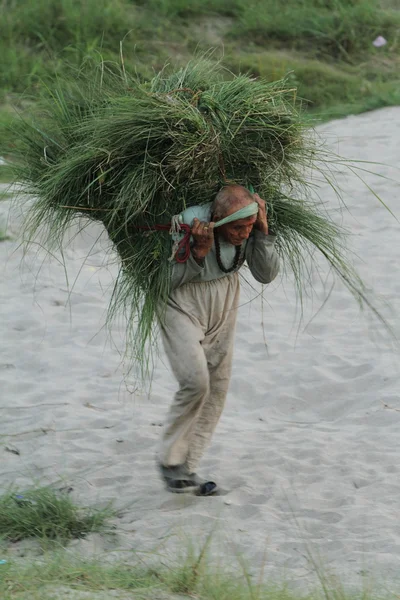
point(105, 146)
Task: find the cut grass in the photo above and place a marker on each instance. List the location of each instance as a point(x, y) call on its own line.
point(131, 155)
point(6, 174)
point(45, 514)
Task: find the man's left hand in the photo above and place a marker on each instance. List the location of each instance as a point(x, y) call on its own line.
point(261, 224)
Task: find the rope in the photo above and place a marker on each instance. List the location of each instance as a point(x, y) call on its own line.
point(183, 244)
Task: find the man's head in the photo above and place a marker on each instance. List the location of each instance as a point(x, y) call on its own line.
point(228, 200)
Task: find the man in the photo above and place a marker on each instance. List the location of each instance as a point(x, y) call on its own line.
point(199, 322)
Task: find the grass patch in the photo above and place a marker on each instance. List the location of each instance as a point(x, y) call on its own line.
point(192, 572)
point(326, 44)
point(45, 514)
point(326, 90)
point(338, 29)
point(40, 579)
point(195, 8)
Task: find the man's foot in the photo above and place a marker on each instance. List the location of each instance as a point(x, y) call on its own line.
point(191, 486)
point(179, 481)
point(181, 486)
point(207, 488)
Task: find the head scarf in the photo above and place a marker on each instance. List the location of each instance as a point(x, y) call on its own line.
point(242, 213)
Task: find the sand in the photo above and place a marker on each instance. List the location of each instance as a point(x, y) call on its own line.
point(307, 451)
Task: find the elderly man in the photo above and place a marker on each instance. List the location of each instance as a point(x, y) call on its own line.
point(199, 323)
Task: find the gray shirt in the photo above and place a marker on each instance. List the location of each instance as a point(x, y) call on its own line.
point(258, 251)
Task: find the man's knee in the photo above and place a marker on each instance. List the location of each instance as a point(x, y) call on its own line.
point(196, 384)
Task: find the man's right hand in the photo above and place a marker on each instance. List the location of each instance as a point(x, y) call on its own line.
point(203, 236)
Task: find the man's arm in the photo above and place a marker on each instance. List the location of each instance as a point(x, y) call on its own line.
point(203, 238)
point(261, 256)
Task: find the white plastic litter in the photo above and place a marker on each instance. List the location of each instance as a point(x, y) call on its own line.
point(379, 42)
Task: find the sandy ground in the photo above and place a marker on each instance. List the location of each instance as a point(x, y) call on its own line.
point(308, 448)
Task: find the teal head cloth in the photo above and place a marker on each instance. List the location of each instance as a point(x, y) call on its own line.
point(242, 213)
point(190, 213)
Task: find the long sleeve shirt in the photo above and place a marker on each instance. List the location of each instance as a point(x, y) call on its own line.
point(258, 251)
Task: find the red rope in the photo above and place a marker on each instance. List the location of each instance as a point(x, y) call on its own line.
point(184, 244)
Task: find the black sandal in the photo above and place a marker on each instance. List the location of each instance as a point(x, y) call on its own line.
point(182, 486)
point(189, 483)
point(208, 488)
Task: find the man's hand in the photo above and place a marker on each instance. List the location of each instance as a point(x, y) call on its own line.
point(261, 224)
point(203, 235)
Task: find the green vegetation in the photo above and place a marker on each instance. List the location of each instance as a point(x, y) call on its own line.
point(131, 155)
point(192, 578)
point(47, 515)
point(326, 45)
point(6, 176)
point(60, 574)
point(192, 572)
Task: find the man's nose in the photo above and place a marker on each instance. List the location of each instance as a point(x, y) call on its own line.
point(247, 232)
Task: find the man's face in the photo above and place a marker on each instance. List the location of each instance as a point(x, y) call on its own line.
point(238, 231)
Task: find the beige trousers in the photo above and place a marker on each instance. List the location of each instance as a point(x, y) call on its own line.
point(198, 332)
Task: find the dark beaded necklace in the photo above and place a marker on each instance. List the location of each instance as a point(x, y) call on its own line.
point(236, 261)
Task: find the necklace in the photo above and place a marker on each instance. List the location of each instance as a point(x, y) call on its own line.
point(236, 261)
